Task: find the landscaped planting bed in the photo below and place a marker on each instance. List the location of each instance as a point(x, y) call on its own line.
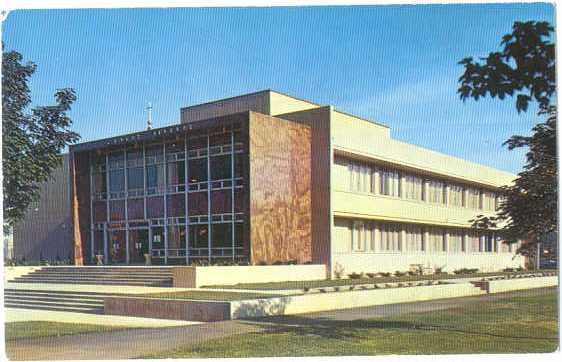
point(206, 295)
point(330, 283)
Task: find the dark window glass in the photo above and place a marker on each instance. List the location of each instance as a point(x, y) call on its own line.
point(176, 237)
point(197, 170)
point(176, 173)
point(238, 165)
point(221, 167)
point(198, 236)
point(116, 180)
point(219, 139)
point(197, 203)
point(117, 210)
point(154, 154)
point(155, 207)
point(175, 147)
point(135, 179)
point(116, 160)
point(135, 209)
point(100, 182)
point(154, 175)
point(489, 244)
point(176, 205)
point(221, 235)
point(221, 201)
point(194, 143)
point(238, 235)
point(100, 211)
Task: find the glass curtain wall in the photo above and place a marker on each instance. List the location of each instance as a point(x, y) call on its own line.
point(178, 200)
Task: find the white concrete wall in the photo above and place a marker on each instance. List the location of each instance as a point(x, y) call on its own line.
point(390, 262)
point(342, 300)
point(195, 277)
point(506, 285)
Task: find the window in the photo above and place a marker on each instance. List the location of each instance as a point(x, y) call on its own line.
point(455, 241)
point(389, 183)
point(413, 187)
point(134, 158)
point(135, 178)
point(473, 198)
point(198, 236)
point(117, 180)
point(436, 240)
point(359, 236)
point(176, 173)
point(116, 160)
point(414, 238)
point(488, 201)
point(100, 182)
point(221, 167)
point(455, 195)
point(154, 154)
point(435, 192)
point(221, 235)
point(390, 238)
point(155, 176)
point(489, 243)
point(176, 237)
point(359, 177)
point(197, 170)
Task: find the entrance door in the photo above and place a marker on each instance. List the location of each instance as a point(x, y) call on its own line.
point(117, 245)
point(138, 245)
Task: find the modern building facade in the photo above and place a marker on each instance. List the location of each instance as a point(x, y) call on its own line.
point(267, 178)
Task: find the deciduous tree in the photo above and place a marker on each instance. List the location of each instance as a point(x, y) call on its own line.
point(32, 138)
point(524, 69)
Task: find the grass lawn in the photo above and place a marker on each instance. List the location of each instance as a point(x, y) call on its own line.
point(34, 329)
point(341, 282)
point(207, 295)
point(514, 325)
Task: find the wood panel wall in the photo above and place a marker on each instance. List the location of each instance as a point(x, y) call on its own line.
point(279, 190)
point(80, 205)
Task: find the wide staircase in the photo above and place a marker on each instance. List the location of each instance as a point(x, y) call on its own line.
point(134, 276)
point(63, 301)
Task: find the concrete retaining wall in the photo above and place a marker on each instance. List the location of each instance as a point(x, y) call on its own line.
point(342, 300)
point(506, 285)
point(195, 277)
point(200, 311)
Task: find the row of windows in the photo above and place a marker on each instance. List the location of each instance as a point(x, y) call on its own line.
point(153, 173)
point(368, 236)
point(360, 177)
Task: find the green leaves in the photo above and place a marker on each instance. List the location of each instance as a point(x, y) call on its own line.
point(524, 69)
point(32, 140)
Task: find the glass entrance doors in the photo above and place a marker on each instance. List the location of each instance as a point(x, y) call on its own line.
point(138, 245)
point(117, 246)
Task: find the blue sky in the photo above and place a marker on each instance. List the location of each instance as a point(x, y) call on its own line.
point(396, 65)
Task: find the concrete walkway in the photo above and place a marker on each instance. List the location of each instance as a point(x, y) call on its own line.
point(25, 315)
point(137, 342)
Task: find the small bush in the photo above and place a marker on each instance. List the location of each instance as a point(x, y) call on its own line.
point(371, 275)
point(509, 270)
point(398, 273)
point(384, 274)
point(355, 275)
point(519, 269)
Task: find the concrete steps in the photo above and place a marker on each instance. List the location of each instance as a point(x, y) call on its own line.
point(135, 276)
point(86, 302)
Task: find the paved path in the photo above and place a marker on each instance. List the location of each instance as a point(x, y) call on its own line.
point(137, 342)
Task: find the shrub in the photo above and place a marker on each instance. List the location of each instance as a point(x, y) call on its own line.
point(398, 273)
point(384, 274)
point(262, 263)
point(355, 275)
point(370, 275)
point(519, 268)
point(508, 270)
